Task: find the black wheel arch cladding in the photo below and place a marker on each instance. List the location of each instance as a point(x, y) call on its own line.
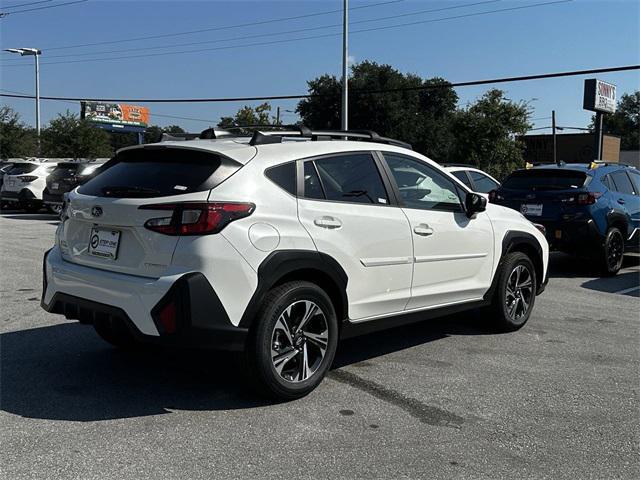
point(285, 265)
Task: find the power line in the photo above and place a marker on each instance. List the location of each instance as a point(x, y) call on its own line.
point(262, 35)
point(225, 27)
point(4, 14)
point(255, 44)
point(153, 114)
point(26, 4)
point(541, 76)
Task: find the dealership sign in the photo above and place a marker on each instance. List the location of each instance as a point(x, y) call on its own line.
point(115, 114)
point(599, 96)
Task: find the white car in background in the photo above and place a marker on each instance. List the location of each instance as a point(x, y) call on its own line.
point(24, 183)
point(475, 179)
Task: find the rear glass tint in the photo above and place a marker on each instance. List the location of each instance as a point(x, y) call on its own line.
point(21, 168)
point(545, 180)
point(65, 169)
point(145, 173)
point(284, 176)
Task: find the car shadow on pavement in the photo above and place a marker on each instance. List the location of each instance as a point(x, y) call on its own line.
point(562, 265)
point(65, 372)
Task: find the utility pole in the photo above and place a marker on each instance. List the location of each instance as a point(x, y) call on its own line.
point(555, 143)
point(345, 66)
point(36, 54)
point(278, 116)
point(598, 135)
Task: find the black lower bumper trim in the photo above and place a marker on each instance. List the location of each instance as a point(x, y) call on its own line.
point(199, 328)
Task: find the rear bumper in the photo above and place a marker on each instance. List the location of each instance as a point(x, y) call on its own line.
point(52, 198)
point(86, 294)
point(573, 236)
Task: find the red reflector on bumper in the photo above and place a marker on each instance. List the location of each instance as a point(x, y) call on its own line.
point(167, 318)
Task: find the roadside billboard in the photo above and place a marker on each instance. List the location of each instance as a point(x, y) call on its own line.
point(599, 96)
point(115, 113)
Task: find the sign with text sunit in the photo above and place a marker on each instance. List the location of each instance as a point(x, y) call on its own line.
point(599, 96)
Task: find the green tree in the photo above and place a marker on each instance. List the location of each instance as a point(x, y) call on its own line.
point(625, 122)
point(16, 139)
point(260, 115)
point(487, 132)
point(420, 117)
point(67, 136)
point(154, 132)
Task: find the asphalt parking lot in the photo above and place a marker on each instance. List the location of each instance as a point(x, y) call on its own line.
point(442, 399)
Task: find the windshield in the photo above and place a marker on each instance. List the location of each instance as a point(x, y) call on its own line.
point(545, 180)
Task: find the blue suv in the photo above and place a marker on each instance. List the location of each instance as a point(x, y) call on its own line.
point(591, 210)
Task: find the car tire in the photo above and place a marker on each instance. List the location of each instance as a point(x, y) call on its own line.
point(285, 361)
point(114, 332)
point(612, 252)
point(515, 293)
point(55, 209)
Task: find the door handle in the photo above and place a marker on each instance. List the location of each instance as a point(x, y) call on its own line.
point(423, 229)
point(327, 222)
point(621, 201)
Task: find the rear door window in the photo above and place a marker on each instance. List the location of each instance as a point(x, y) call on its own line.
point(482, 183)
point(351, 178)
point(622, 182)
point(144, 173)
point(463, 177)
point(544, 179)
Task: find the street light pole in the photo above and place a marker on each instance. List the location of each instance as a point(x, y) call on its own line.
point(345, 66)
point(35, 53)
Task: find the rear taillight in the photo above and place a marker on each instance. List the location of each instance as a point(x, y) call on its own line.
point(28, 178)
point(588, 198)
point(196, 218)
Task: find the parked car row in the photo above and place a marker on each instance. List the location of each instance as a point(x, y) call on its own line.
point(31, 185)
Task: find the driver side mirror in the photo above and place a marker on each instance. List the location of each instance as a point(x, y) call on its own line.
point(474, 203)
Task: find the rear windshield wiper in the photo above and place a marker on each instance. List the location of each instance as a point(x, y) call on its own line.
point(130, 191)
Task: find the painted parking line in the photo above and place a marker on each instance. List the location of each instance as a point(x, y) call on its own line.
point(628, 290)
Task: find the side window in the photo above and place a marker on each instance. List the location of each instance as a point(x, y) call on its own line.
point(607, 182)
point(483, 184)
point(348, 178)
point(422, 186)
point(635, 178)
point(284, 176)
point(312, 186)
point(463, 177)
point(623, 184)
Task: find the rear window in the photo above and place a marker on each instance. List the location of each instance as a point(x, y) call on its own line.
point(21, 168)
point(545, 180)
point(159, 172)
point(66, 169)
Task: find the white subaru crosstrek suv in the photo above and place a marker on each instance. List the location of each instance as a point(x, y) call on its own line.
point(278, 248)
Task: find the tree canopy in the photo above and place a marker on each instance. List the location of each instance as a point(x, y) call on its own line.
point(483, 134)
point(16, 138)
point(625, 122)
point(260, 115)
point(69, 136)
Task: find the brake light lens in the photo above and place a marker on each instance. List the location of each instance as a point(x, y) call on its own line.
point(28, 178)
point(588, 198)
point(196, 218)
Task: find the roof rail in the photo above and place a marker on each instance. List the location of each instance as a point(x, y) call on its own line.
point(466, 165)
point(208, 134)
point(262, 137)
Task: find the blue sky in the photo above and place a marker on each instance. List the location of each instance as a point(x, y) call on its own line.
point(579, 34)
